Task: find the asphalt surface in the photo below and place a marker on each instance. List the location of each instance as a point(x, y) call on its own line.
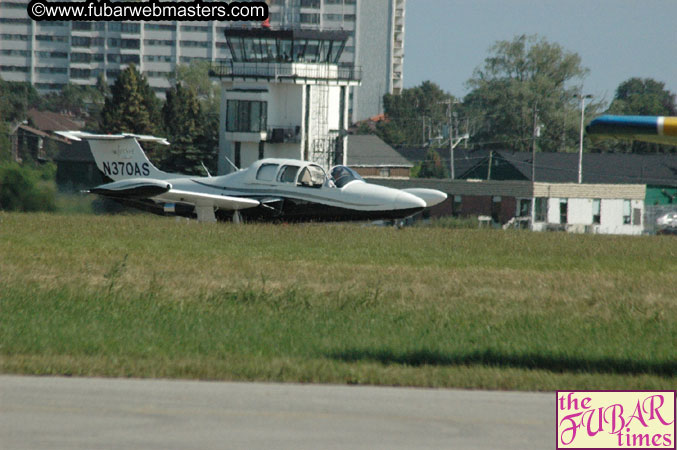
point(71, 413)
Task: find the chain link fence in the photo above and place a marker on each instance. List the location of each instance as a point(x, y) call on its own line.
point(652, 213)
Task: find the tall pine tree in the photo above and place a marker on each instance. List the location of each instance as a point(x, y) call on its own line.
point(132, 106)
point(183, 119)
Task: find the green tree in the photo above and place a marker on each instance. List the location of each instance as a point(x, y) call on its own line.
point(183, 125)
point(646, 97)
point(16, 98)
point(524, 84)
point(415, 117)
point(431, 167)
point(5, 144)
point(82, 101)
point(102, 86)
point(195, 77)
point(132, 106)
point(75, 99)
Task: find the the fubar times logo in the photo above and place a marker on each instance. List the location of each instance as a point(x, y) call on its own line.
point(616, 420)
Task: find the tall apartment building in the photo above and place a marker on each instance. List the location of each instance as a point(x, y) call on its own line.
point(375, 43)
point(52, 54)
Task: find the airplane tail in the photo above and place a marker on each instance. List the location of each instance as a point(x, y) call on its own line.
point(120, 157)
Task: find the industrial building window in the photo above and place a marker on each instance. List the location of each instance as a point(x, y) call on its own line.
point(246, 116)
point(596, 211)
point(563, 210)
point(627, 219)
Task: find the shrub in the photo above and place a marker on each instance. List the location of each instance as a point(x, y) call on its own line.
point(23, 188)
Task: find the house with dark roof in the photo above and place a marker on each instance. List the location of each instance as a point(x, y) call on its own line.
point(29, 143)
point(76, 168)
point(369, 156)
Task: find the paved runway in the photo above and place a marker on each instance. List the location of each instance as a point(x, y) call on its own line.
point(71, 413)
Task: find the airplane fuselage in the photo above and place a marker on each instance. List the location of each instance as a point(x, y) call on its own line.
point(292, 201)
point(269, 189)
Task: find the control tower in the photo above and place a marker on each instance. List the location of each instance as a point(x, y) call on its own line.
point(284, 95)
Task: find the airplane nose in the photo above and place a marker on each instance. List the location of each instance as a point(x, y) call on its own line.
point(431, 197)
point(405, 200)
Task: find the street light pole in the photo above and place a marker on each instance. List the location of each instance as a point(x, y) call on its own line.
point(580, 149)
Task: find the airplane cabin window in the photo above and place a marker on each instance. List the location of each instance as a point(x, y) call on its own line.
point(267, 172)
point(312, 176)
point(288, 174)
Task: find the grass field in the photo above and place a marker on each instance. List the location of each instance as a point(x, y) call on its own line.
point(144, 296)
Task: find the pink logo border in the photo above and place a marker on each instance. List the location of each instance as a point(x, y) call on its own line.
point(674, 425)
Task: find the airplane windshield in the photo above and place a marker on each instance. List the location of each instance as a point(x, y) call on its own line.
point(343, 175)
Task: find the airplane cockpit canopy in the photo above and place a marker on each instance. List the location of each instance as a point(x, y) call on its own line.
point(312, 176)
point(308, 175)
point(342, 175)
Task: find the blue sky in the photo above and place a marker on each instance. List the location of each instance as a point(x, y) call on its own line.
point(445, 40)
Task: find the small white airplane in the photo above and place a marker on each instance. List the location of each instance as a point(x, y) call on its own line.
point(270, 189)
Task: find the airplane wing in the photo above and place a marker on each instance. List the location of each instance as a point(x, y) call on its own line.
point(655, 129)
point(220, 201)
point(138, 188)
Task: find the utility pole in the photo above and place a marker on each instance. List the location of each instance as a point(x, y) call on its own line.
point(536, 133)
point(452, 166)
point(453, 141)
point(580, 149)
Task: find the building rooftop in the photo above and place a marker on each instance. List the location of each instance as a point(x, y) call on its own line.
point(51, 121)
point(371, 151)
point(620, 168)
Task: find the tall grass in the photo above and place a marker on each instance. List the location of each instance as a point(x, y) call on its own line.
point(147, 296)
